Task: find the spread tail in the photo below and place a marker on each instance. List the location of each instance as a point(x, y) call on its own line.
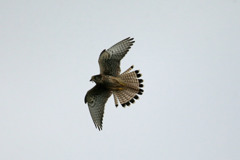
point(132, 88)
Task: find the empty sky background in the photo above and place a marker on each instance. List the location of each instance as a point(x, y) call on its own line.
point(188, 52)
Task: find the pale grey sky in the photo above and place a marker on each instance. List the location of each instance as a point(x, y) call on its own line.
point(188, 52)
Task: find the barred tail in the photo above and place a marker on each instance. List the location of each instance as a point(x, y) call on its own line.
point(133, 88)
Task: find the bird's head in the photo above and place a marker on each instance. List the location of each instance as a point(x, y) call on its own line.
point(97, 79)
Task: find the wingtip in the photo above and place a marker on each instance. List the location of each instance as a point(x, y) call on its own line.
point(130, 39)
point(98, 127)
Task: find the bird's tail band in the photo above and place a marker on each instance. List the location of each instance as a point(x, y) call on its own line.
point(133, 88)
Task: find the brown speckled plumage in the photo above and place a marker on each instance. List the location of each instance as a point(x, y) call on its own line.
point(125, 87)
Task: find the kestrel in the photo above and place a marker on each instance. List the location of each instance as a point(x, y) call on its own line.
point(125, 87)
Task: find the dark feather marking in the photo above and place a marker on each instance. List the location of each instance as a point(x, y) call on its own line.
point(139, 75)
point(140, 80)
point(140, 92)
point(124, 104)
point(132, 100)
point(136, 97)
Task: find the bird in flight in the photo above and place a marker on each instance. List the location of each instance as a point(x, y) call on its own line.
point(124, 87)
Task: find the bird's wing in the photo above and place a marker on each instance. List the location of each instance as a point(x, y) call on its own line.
point(109, 60)
point(96, 99)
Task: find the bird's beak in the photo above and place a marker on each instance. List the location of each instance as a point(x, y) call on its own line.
point(91, 80)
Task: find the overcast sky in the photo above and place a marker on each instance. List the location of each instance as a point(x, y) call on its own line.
point(188, 52)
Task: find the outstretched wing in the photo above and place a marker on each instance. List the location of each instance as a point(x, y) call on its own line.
point(109, 60)
point(96, 99)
